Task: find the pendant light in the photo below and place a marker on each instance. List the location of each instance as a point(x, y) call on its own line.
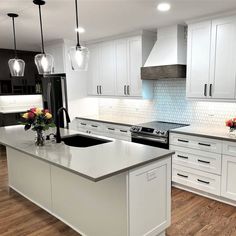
point(43, 61)
point(79, 55)
point(16, 65)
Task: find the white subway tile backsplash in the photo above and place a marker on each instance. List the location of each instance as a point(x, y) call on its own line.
point(169, 104)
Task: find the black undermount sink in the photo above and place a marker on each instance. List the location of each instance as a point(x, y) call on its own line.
point(78, 140)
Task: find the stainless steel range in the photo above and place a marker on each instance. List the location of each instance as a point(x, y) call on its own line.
point(155, 133)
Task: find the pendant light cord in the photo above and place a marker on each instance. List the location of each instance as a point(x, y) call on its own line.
point(14, 35)
point(41, 28)
point(77, 23)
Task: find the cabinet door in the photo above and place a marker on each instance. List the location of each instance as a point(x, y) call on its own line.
point(228, 186)
point(198, 59)
point(134, 64)
point(94, 70)
point(223, 58)
point(121, 66)
point(107, 79)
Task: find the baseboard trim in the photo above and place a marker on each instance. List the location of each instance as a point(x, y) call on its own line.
point(204, 194)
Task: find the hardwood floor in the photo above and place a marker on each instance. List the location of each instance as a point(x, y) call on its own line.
point(192, 215)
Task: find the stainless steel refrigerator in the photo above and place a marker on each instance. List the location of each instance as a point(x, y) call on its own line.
point(54, 92)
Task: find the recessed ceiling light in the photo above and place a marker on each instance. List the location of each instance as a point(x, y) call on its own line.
point(164, 6)
point(80, 29)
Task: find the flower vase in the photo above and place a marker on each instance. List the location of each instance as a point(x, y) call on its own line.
point(39, 139)
point(232, 132)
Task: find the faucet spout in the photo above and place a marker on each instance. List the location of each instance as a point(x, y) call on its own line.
point(58, 133)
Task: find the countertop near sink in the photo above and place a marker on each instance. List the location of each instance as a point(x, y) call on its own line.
point(221, 133)
point(95, 163)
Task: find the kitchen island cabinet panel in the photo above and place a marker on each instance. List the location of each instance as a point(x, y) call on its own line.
point(30, 177)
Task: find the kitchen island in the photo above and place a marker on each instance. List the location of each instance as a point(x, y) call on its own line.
point(113, 189)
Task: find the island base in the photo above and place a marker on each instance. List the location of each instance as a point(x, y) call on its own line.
point(132, 203)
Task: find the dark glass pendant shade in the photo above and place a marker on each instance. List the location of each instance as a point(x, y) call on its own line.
point(79, 55)
point(16, 65)
point(43, 61)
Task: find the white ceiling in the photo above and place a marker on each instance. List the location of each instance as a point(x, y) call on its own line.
point(100, 18)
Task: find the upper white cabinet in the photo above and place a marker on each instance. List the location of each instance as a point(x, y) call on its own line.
point(211, 58)
point(101, 72)
point(114, 66)
point(199, 39)
point(223, 58)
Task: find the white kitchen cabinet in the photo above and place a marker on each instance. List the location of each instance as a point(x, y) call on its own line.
point(107, 68)
point(228, 188)
point(121, 66)
point(135, 63)
point(223, 58)
point(101, 71)
point(94, 70)
point(198, 59)
point(211, 71)
point(116, 71)
point(106, 129)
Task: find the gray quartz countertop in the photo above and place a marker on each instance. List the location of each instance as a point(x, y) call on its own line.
point(221, 133)
point(95, 162)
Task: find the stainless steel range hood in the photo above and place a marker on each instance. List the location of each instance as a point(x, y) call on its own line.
point(168, 56)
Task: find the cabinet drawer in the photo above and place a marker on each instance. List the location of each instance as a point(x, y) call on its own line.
point(188, 141)
point(200, 160)
point(196, 179)
point(229, 148)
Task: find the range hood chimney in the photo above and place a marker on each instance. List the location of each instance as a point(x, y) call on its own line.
point(168, 56)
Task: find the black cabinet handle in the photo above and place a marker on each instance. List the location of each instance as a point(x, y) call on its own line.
point(128, 90)
point(82, 123)
point(97, 90)
point(202, 181)
point(124, 89)
point(95, 126)
point(205, 90)
point(206, 162)
point(210, 90)
point(183, 141)
point(184, 157)
point(100, 89)
point(111, 128)
point(185, 176)
point(124, 131)
point(204, 144)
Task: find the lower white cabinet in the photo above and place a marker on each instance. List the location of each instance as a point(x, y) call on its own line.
point(107, 129)
point(228, 189)
point(209, 169)
point(200, 180)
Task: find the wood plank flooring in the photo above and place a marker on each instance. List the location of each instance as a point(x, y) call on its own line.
point(192, 215)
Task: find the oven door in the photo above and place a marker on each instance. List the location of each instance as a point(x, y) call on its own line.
point(160, 142)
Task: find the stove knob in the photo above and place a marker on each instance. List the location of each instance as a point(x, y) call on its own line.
point(157, 131)
point(162, 132)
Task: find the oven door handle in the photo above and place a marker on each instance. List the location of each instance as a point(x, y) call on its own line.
point(157, 140)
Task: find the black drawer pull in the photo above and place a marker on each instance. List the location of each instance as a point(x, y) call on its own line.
point(111, 128)
point(204, 144)
point(183, 141)
point(95, 126)
point(184, 157)
point(185, 176)
point(206, 162)
point(202, 181)
point(82, 123)
point(124, 131)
